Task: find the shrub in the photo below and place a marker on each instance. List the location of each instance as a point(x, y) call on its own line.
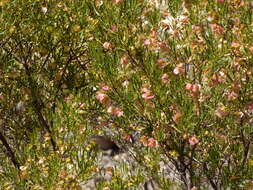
point(179, 75)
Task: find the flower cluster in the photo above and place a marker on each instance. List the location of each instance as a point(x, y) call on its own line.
point(147, 94)
point(150, 142)
point(192, 140)
point(104, 99)
point(154, 43)
point(179, 69)
point(194, 89)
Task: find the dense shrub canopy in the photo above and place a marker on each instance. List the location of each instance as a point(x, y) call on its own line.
point(170, 82)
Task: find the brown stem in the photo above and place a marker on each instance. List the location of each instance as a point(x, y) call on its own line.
point(37, 106)
point(46, 126)
point(246, 144)
point(10, 153)
point(210, 179)
point(34, 93)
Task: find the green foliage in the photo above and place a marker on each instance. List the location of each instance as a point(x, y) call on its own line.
point(181, 77)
